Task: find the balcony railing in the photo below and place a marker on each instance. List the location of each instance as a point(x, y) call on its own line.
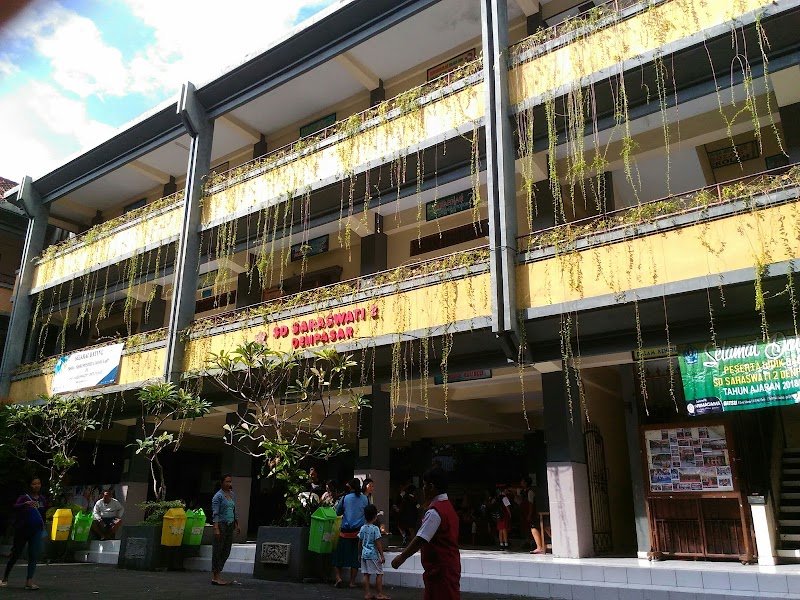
point(631, 219)
point(371, 136)
point(115, 240)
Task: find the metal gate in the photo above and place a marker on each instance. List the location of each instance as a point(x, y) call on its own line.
point(598, 489)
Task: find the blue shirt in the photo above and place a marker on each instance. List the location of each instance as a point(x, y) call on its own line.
point(351, 508)
point(222, 509)
point(368, 534)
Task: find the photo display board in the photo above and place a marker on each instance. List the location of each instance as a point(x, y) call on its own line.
point(689, 459)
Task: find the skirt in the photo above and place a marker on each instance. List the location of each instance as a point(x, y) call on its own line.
point(346, 554)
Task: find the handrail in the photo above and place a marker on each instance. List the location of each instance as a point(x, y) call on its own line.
point(721, 195)
point(111, 226)
point(349, 286)
point(363, 117)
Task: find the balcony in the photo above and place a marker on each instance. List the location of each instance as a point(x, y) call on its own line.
point(142, 359)
point(146, 228)
point(742, 225)
point(594, 45)
point(414, 119)
point(427, 299)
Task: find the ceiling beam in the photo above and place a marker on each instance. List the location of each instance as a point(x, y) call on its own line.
point(359, 72)
point(529, 7)
point(241, 128)
point(149, 172)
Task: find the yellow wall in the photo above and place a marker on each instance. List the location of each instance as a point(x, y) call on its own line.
point(736, 242)
point(134, 368)
point(77, 261)
point(422, 308)
point(605, 48)
point(379, 142)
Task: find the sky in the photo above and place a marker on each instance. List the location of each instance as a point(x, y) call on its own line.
point(74, 71)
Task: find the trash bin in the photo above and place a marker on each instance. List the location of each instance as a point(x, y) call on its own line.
point(195, 522)
point(174, 524)
point(81, 525)
point(62, 523)
point(323, 524)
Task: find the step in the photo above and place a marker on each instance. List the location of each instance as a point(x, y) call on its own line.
point(543, 577)
point(790, 508)
point(232, 565)
point(790, 496)
point(791, 472)
point(791, 483)
point(790, 537)
point(789, 553)
point(791, 460)
point(789, 522)
point(99, 558)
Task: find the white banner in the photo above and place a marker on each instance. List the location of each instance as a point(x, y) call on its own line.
point(87, 369)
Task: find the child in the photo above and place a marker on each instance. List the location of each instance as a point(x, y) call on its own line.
point(370, 549)
point(504, 521)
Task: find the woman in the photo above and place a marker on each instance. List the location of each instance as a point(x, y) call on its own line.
point(329, 497)
point(31, 510)
point(225, 519)
point(351, 509)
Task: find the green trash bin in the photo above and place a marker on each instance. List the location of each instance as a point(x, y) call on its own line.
point(195, 522)
point(81, 526)
point(323, 528)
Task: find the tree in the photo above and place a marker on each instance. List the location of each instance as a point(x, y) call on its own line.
point(290, 399)
point(51, 426)
point(162, 402)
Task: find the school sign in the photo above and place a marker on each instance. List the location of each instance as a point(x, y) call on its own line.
point(741, 377)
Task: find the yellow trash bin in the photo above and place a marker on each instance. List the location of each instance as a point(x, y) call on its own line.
point(174, 524)
point(62, 523)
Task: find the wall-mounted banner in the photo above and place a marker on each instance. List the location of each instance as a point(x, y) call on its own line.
point(312, 247)
point(741, 377)
point(87, 369)
point(449, 205)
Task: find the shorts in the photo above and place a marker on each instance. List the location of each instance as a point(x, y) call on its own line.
point(371, 566)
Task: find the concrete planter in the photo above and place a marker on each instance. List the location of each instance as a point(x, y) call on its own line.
point(282, 555)
point(141, 550)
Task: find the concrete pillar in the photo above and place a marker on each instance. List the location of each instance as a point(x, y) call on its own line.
point(500, 176)
point(187, 259)
point(567, 477)
point(37, 212)
point(372, 451)
point(240, 466)
point(377, 95)
point(248, 290)
point(170, 187)
point(628, 385)
point(136, 480)
point(790, 122)
point(765, 528)
point(260, 147)
point(156, 315)
point(374, 250)
point(534, 23)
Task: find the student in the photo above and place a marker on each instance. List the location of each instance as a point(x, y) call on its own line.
point(504, 521)
point(438, 539)
point(370, 548)
point(29, 528)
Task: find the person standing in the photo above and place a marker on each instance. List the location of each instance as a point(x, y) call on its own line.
point(530, 516)
point(351, 509)
point(29, 528)
point(370, 548)
point(226, 520)
point(437, 539)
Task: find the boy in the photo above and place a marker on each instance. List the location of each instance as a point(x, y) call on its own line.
point(370, 549)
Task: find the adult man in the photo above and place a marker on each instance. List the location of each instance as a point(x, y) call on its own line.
point(437, 538)
point(107, 516)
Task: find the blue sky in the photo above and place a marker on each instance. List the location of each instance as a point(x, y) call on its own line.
point(74, 71)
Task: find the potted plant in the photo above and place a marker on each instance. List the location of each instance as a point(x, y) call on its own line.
point(161, 402)
point(290, 401)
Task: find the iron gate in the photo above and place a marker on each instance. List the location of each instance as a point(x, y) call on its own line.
point(598, 489)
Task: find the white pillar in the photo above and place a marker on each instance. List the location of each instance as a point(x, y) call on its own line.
point(570, 510)
point(241, 487)
point(764, 526)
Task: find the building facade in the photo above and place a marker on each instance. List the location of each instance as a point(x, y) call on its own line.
point(569, 225)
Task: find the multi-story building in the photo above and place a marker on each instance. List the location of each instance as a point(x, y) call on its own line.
point(568, 225)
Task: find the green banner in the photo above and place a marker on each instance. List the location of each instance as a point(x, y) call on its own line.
point(741, 377)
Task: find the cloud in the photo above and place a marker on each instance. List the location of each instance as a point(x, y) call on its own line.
point(41, 127)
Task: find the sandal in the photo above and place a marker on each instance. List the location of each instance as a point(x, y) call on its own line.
point(215, 582)
point(32, 586)
point(339, 584)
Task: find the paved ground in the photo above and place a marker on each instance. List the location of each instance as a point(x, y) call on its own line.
point(67, 581)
